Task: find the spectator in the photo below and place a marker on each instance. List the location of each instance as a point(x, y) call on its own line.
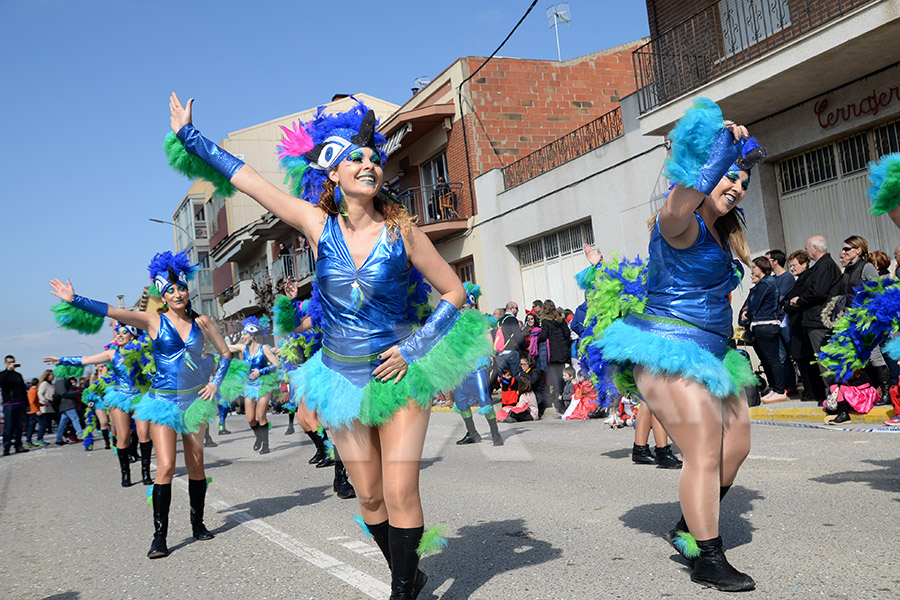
point(531, 331)
point(68, 402)
point(536, 307)
point(569, 389)
point(801, 349)
point(45, 397)
point(526, 409)
point(762, 315)
point(785, 281)
point(528, 370)
point(34, 411)
point(822, 283)
point(856, 395)
point(15, 402)
point(555, 331)
point(882, 263)
point(509, 389)
point(498, 314)
point(897, 258)
point(508, 342)
point(584, 399)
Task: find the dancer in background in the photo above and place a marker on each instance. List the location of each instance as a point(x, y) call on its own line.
point(181, 395)
point(262, 378)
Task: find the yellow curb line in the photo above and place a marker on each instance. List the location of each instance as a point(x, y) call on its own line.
point(759, 413)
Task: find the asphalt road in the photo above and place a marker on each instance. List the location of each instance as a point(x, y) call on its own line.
point(558, 512)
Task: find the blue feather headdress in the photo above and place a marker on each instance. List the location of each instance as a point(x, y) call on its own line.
point(308, 151)
point(167, 269)
point(752, 154)
point(255, 326)
point(134, 331)
point(473, 292)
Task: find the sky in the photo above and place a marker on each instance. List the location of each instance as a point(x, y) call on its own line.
point(85, 110)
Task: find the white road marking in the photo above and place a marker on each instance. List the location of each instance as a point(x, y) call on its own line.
point(760, 457)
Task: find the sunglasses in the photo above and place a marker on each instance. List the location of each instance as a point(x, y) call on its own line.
point(847, 248)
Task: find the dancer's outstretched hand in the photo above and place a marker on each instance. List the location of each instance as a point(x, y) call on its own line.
point(51, 360)
point(209, 391)
point(63, 291)
point(593, 255)
point(392, 365)
point(180, 115)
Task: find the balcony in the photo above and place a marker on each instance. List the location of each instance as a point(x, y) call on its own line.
point(300, 266)
point(239, 298)
point(588, 137)
point(757, 57)
point(437, 207)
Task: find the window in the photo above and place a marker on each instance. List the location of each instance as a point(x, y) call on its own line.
point(558, 243)
point(747, 22)
point(887, 139)
point(854, 153)
point(430, 170)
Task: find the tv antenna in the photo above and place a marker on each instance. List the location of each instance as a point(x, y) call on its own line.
point(556, 14)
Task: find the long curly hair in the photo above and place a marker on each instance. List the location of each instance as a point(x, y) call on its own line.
point(396, 218)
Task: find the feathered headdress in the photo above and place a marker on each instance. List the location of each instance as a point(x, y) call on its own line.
point(752, 154)
point(134, 331)
point(254, 326)
point(167, 269)
point(308, 151)
point(473, 292)
point(884, 175)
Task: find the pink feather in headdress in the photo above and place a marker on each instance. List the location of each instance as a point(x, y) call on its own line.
point(295, 142)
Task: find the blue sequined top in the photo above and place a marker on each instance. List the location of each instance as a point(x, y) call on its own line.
point(258, 360)
point(179, 364)
point(124, 377)
point(692, 284)
point(370, 319)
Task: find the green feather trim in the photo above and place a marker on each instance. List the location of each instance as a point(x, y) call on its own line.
point(76, 319)
point(686, 544)
point(270, 382)
point(283, 313)
point(141, 362)
point(233, 385)
point(443, 368)
point(193, 167)
point(739, 369)
point(66, 371)
point(200, 412)
point(432, 540)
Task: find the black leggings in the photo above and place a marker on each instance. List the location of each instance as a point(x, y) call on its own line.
point(768, 338)
point(554, 378)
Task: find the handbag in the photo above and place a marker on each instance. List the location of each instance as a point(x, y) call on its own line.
point(831, 401)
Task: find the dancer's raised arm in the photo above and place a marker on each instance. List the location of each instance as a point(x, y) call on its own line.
point(303, 216)
point(66, 293)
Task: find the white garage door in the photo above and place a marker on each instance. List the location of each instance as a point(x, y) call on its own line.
point(549, 265)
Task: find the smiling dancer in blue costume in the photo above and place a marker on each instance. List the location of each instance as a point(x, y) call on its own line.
point(474, 392)
point(128, 358)
point(676, 350)
point(374, 377)
point(181, 395)
point(262, 378)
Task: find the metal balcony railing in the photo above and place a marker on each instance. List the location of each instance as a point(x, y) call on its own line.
point(589, 136)
point(433, 203)
point(720, 37)
point(299, 266)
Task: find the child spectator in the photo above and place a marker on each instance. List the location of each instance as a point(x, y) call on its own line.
point(569, 387)
point(584, 399)
point(857, 395)
point(509, 394)
point(525, 410)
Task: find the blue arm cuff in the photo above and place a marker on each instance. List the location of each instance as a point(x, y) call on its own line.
point(221, 370)
point(722, 155)
point(267, 370)
point(70, 361)
point(94, 307)
point(428, 335)
point(224, 163)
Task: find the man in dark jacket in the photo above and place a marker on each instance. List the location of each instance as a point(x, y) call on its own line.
point(69, 398)
point(821, 285)
point(509, 343)
point(15, 403)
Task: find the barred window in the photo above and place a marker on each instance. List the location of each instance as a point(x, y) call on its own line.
point(531, 252)
point(854, 153)
point(564, 241)
point(551, 246)
point(820, 164)
point(792, 174)
point(887, 139)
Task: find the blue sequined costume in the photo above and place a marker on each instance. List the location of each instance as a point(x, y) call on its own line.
point(687, 321)
point(173, 398)
point(474, 392)
point(124, 394)
point(365, 312)
point(267, 382)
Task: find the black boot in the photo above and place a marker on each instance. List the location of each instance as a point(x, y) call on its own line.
point(207, 440)
point(105, 433)
point(642, 455)
point(471, 436)
point(319, 442)
point(885, 376)
point(162, 498)
point(264, 438)
point(712, 569)
point(290, 427)
point(125, 465)
point(404, 561)
point(665, 459)
point(146, 449)
point(133, 448)
point(495, 433)
point(380, 535)
point(681, 526)
point(257, 432)
point(197, 496)
point(342, 486)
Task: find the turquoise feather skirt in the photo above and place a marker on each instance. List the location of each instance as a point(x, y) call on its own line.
point(184, 412)
point(124, 400)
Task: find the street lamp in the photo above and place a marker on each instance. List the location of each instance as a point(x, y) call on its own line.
point(189, 236)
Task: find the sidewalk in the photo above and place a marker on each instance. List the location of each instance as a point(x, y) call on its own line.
point(795, 410)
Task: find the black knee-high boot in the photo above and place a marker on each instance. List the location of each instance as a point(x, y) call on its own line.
point(264, 438)
point(133, 448)
point(125, 465)
point(256, 431)
point(403, 544)
point(380, 533)
point(342, 486)
point(472, 436)
point(290, 427)
point(105, 433)
point(197, 495)
point(146, 449)
point(319, 442)
point(162, 499)
point(495, 433)
point(681, 526)
point(712, 569)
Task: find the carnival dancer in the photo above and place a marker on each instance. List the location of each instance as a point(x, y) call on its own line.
point(262, 378)
point(884, 191)
point(180, 398)
point(677, 348)
point(374, 377)
point(473, 392)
